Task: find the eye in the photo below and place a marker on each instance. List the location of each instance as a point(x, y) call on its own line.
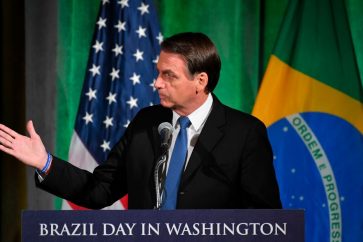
point(168, 76)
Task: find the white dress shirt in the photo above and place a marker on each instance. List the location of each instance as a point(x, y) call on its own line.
point(197, 119)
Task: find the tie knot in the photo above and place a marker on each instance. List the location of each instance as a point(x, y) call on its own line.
point(184, 122)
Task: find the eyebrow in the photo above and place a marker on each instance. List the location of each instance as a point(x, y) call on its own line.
point(166, 71)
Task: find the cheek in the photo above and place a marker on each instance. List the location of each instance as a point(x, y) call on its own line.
point(188, 90)
point(181, 91)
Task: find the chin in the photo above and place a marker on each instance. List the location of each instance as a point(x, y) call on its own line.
point(166, 104)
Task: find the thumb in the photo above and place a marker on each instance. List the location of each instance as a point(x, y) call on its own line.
point(31, 130)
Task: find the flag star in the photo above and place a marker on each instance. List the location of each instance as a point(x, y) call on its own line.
point(156, 59)
point(95, 70)
point(151, 104)
point(121, 26)
point(143, 8)
point(101, 22)
point(135, 79)
point(105, 145)
point(138, 55)
point(98, 46)
point(108, 121)
point(117, 50)
point(111, 98)
point(141, 32)
point(132, 102)
point(160, 38)
point(124, 3)
point(127, 124)
point(114, 73)
point(91, 94)
point(127, 30)
point(88, 118)
point(153, 85)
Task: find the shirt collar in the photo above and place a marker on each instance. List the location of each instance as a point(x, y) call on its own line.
point(198, 117)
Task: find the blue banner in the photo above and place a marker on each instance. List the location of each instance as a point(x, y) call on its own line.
point(169, 225)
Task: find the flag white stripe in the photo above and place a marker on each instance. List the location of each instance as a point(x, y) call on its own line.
point(80, 157)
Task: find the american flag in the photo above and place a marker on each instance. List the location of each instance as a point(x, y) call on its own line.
point(119, 81)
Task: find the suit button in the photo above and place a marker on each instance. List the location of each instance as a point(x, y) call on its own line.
point(181, 193)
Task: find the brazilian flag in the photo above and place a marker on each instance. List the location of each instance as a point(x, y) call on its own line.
point(311, 100)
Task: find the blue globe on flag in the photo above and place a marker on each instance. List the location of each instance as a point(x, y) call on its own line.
point(320, 175)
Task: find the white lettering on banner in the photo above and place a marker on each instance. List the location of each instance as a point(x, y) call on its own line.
point(149, 229)
point(156, 229)
point(73, 229)
point(121, 229)
point(196, 229)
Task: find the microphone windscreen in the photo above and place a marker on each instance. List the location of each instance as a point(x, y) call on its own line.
point(166, 126)
point(165, 131)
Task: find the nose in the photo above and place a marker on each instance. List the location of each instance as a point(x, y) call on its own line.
point(158, 82)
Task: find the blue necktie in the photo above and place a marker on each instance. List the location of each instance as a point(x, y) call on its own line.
point(176, 166)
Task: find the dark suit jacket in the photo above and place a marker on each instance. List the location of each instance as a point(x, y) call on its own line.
point(230, 167)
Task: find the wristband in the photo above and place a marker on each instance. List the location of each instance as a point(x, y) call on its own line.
point(46, 166)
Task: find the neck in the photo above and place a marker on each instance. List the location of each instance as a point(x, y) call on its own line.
point(193, 105)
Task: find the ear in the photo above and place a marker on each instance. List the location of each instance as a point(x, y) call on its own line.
point(202, 81)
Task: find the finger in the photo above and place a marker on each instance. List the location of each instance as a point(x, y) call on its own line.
point(31, 130)
point(7, 150)
point(6, 136)
point(9, 131)
point(5, 142)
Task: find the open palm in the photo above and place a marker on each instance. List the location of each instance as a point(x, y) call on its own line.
point(29, 150)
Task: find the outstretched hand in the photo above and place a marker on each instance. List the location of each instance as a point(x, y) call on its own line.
point(29, 150)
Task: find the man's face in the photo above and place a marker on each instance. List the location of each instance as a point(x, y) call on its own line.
point(176, 86)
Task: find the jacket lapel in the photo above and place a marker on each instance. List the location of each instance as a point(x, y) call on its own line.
point(210, 136)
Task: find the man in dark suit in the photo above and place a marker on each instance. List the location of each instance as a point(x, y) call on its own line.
point(227, 161)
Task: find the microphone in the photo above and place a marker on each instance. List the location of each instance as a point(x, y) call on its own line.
point(165, 131)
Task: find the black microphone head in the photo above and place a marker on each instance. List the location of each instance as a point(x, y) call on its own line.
point(165, 130)
point(165, 125)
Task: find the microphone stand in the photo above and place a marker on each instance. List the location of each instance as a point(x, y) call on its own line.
point(159, 180)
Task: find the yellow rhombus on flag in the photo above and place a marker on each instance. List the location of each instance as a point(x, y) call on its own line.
point(311, 100)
